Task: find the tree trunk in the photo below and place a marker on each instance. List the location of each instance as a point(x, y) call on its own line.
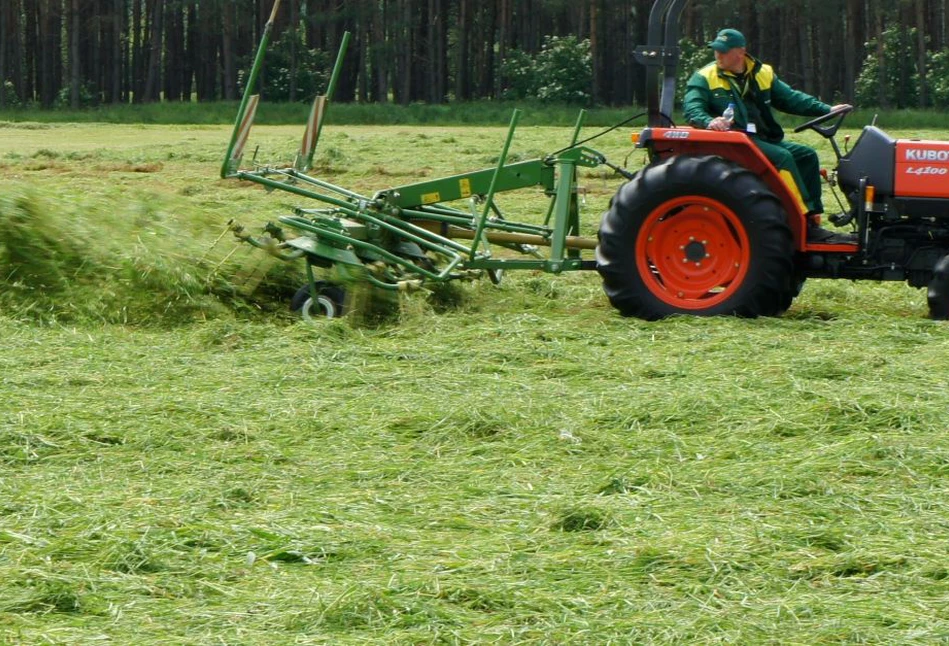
point(135, 42)
point(595, 50)
point(921, 52)
point(228, 53)
point(50, 43)
point(825, 73)
point(903, 75)
point(406, 46)
point(363, 40)
point(881, 62)
point(853, 48)
point(75, 34)
point(431, 27)
point(155, 32)
point(9, 27)
point(291, 33)
point(462, 59)
point(380, 54)
point(807, 60)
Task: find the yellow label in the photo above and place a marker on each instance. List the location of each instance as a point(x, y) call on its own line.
point(430, 198)
point(465, 186)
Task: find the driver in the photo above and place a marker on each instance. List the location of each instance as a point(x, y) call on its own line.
point(739, 78)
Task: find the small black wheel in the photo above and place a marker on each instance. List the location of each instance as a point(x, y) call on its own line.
point(329, 301)
point(938, 292)
point(696, 235)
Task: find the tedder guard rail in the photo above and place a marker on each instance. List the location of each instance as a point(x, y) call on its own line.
point(403, 237)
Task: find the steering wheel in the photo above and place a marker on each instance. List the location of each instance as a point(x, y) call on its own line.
point(826, 131)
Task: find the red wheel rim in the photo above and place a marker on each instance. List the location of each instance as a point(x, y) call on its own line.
point(692, 252)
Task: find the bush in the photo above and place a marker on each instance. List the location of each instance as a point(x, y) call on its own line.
point(899, 51)
point(87, 96)
point(562, 72)
point(692, 56)
point(518, 76)
point(277, 78)
point(8, 95)
point(938, 78)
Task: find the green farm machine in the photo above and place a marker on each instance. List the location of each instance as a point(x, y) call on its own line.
point(416, 235)
point(708, 227)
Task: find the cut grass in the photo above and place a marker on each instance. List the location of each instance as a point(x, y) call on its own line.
point(511, 464)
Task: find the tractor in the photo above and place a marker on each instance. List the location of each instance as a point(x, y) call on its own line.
point(707, 227)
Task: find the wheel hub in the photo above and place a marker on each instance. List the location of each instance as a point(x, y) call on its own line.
point(695, 251)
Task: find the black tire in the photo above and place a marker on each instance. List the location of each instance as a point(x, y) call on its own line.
point(696, 235)
point(329, 303)
point(795, 287)
point(938, 292)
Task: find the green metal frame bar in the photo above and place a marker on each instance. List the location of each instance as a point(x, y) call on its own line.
point(330, 91)
point(448, 189)
point(573, 142)
point(479, 229)
point(226, 168)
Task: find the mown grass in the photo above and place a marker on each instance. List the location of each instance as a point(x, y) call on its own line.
point(183, 463)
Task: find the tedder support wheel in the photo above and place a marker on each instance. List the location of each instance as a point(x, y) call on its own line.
point(696, 235)
point(328, 304)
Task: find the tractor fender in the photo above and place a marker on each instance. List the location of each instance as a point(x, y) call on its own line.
point(738, 148)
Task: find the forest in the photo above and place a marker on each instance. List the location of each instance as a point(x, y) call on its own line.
point(77, 53)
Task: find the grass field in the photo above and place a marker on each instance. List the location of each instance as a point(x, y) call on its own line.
point(183, 463)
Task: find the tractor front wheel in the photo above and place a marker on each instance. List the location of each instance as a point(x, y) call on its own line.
point(938, 292)
point(696, 235)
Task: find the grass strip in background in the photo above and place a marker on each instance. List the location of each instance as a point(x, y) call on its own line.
point(482, 113)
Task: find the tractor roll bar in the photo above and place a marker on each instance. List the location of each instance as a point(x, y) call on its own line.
point(661, 52)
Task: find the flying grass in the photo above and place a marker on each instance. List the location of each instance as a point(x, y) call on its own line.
point(501, 464)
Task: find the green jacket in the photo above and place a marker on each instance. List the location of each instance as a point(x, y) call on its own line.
point(710, 90)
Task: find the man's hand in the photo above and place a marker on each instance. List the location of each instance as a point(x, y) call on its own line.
point(841, 106)
point(719, 124)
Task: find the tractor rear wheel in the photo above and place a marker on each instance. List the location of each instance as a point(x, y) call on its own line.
point(696, 235)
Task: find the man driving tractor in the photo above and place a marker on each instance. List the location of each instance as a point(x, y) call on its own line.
point(738, 78)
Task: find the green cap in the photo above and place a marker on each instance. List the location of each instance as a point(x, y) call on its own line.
point(727, 39)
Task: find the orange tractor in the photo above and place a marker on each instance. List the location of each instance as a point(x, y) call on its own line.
point(709, 226)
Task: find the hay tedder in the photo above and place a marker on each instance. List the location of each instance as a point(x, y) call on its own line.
point(707, 227)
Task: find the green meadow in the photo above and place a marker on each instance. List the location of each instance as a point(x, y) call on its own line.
point(183, 461)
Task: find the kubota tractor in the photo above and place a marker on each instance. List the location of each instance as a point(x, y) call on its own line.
point(709, 227)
